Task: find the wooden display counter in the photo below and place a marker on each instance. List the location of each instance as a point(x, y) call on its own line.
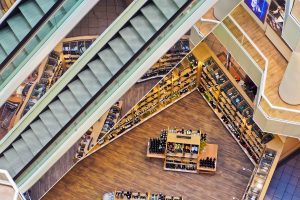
point(184, 151)
point(129, 195)
point(210, 151)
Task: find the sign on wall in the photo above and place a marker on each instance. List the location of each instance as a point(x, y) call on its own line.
point(258, 7)
point(276, 16)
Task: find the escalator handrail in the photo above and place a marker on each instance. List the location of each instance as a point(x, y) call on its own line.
point(89, 103)
point(10, 11)
point(9, 58)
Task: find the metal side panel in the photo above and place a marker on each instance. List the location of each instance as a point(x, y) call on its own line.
point(32, 141)
point(50, 122)
point(167, 7)
point(21, 147)
point(89, 81)
point(132, 38)
point(154, 16)
point(70, 102)
point(121, 49)
point(143, 27)
point(79, 91)
point(60, 112)
point(111, 60)
point(41, 131)
point(19, 26)
point(100, 71)
point(14, 159)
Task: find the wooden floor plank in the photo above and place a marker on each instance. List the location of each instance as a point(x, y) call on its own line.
point(123, 163)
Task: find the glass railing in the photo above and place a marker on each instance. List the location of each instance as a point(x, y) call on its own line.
point(33, 45)
point(282, 114)
point(110, 93)
point(241, 46)
point(296, 11)
point(238, 33)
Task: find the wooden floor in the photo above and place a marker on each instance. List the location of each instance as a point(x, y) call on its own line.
point(130, 98)
point(123, 163)
point(277, 63)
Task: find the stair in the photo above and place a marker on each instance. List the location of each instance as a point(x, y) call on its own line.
point(89, 81)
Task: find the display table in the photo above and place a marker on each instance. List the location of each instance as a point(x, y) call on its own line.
point(129, 195)
point(211, 151)
point(184, 151)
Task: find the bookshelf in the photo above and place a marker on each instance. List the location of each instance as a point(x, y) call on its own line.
point(231, 105)
point(178, 83)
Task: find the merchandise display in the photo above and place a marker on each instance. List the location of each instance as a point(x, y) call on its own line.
point(6, 4)
point(129, 195)
point(276, 15)
point(168, 61)
point(259, 175)
point(232, 74)
point(73, 49)
point(98, 130)
point(232, 107)
point(175, 85)
point(184, 151)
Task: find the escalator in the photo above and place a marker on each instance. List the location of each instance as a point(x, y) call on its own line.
point(144, 29)
point(25, 33)
point(21, 24)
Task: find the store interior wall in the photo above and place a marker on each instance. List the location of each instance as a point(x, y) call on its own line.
point(223, 7)
point(99, 18)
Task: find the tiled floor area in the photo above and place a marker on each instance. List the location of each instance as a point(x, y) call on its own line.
point(285, 184)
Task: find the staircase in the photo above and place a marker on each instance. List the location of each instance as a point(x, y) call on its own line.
point(89, 83)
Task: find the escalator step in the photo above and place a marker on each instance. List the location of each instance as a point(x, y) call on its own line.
point(132, 38)
point(100, 71)
point(8, 40)
point(111, 60)
point(5, 165)
point(180, 3)
point(79, 91)
point(32, 141)
point(19, 26)
point(32, 12)
point(167, 7)
point(69, 100)
point(14, 159)
point(121, 49)
point(143, 27)
point(89, 81)
point(154, 16)
point(41, 132)
point(60, 112)
point(50, 122)
point(21, 147)
point(45, 5)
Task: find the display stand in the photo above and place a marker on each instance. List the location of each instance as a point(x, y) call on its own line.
point(230, 103)
point(184, 151)
point(129, 195)
point(91, 137)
